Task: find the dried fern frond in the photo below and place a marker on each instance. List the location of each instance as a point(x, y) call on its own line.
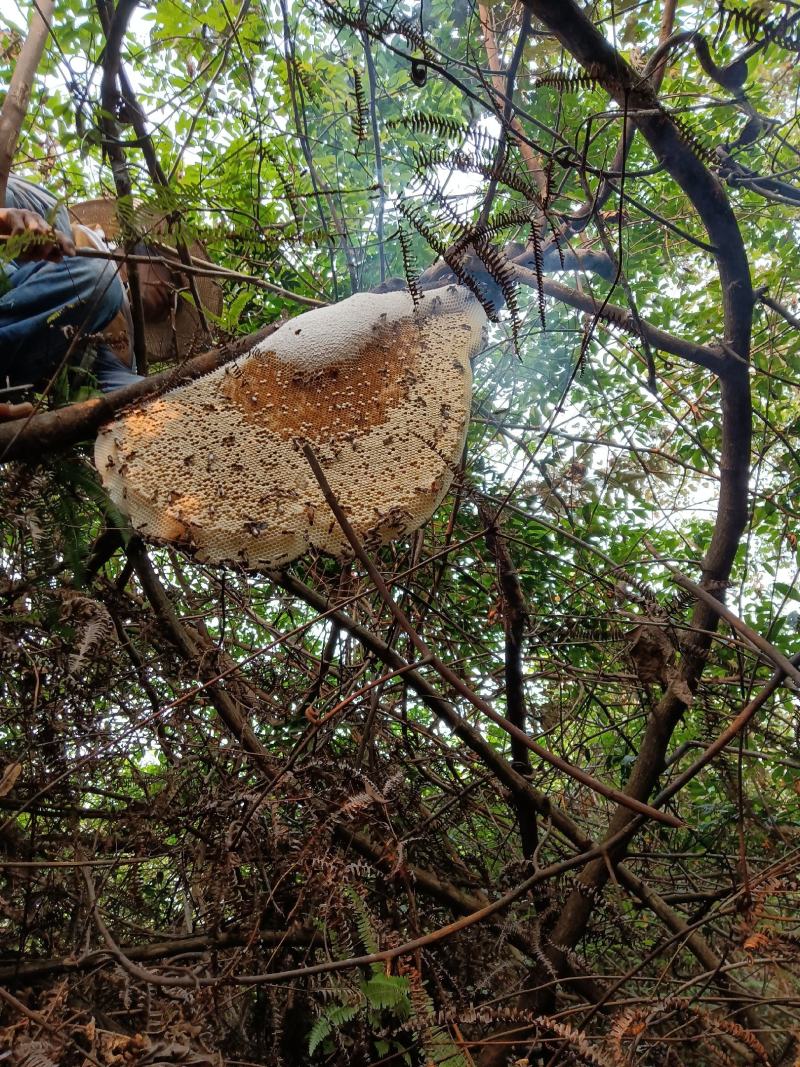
point(410, 269)
point(502, 171)
point(94, 625)
point(639, 1022)
point(458, 266)
point(535, 239)
point(360, 114)
point(378, 25)
point(590, 78)
point(501, 220)
point(701, 150)
point(284, 178)
point(578, 1042)
point(414, 214)
point(502, 272)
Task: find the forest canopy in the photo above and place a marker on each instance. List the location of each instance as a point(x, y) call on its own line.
point(518, 787)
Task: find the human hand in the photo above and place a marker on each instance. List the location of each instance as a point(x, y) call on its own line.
point(44, 242)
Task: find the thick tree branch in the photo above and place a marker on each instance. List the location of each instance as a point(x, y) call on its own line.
point(15, 105)
point(585, 42)
point(514, 613)
point(778, 307)
point(31, 970)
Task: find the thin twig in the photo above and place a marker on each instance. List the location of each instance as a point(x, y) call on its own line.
point(454, 680)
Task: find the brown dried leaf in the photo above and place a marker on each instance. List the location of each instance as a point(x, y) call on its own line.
point(651, 653)
point(755, 941)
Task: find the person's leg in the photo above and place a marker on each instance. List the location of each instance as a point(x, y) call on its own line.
point(46, 305)
point(110, 371)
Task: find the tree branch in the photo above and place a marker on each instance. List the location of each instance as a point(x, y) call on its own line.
point(114, 27)
point(15, 105)
point(622, 319)
point(518, 786)
point(455, 680)
point(514, 612)
point(187, 641)
point(584, 41)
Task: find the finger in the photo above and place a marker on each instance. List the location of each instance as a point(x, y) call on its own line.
point(34, 223)
point(15, 411)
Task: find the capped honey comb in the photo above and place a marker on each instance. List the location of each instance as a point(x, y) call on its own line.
point(379, 389)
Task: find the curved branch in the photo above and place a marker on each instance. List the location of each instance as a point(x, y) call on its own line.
point(583, 40)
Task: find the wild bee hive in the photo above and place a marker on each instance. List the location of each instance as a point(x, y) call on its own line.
point(378, 388)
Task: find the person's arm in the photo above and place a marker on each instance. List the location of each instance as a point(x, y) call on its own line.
point(44, 243)
point(33, 210)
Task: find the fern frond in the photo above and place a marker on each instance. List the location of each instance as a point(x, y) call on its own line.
point(388, 991)
point(502, 272)
point(92, 621)
point(319, 1032)
point(363, 919)
point(423, 122)
point(378, 25)
point(501, 220)
point(414, 214)
point(754, 24)
point(535, 239)
point(702, 151)
point(360, 115)
point(458, 267)
point(409, 267)
point(567, 83)
point(501, 171)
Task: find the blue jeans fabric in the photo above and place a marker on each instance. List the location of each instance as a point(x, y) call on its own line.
point(43, 306)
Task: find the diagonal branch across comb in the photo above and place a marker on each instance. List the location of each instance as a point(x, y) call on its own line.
point(380, 390)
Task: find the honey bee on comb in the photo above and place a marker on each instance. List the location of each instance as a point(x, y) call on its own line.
point(379, 388)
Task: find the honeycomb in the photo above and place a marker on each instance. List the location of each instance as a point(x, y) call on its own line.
point(380, 390)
